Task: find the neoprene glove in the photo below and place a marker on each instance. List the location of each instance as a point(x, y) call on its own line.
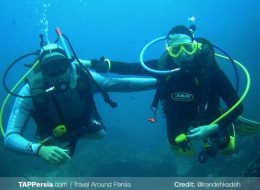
point(100, 66)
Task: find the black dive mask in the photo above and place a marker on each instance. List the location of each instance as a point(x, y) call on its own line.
point(56, 67)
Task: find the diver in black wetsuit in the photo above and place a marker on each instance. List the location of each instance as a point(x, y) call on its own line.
point(191, 96)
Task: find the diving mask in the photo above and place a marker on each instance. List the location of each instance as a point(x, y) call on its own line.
point(54, 61)
point(55, 66)
point(175, 50)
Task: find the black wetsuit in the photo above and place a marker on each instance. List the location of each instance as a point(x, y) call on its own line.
point(191, 97)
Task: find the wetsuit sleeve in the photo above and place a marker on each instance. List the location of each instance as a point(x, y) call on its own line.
point(122, 84)
point(18, 119)
point(125, 68)
point(229, 96)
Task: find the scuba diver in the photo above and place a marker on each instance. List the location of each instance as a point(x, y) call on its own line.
point(190, 86)
point(58, 94)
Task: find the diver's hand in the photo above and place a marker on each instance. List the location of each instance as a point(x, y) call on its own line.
point(101, 66)
point(201, 132)
point(54, 154)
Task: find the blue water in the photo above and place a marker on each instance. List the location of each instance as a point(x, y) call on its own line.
point(118, 30)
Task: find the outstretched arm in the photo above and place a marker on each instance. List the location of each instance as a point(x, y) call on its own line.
point(120, 84)
point(119, 67)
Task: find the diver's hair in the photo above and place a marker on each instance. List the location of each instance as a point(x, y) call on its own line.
point(180, 29)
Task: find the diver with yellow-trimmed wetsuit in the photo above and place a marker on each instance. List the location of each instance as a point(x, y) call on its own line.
point(190, 87)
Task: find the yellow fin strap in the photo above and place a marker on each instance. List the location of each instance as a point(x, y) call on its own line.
point(230, 148)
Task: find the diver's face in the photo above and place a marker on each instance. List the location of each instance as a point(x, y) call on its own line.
point(60, 82)
point(179, 41)
point(57, 72)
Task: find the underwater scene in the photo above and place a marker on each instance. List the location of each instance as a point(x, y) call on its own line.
point(136, 143)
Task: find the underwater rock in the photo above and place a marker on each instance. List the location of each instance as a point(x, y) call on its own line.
point(253, 168)
point(125, 160)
